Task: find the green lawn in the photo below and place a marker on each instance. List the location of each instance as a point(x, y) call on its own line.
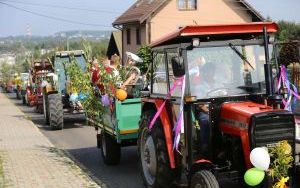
point(2, 183)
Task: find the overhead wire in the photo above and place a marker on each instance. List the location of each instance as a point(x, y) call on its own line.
point(63, 7)
point(54, 18)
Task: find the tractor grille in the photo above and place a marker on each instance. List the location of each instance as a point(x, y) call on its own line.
point(270, 128)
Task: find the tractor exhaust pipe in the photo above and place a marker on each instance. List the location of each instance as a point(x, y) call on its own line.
point(273, 99)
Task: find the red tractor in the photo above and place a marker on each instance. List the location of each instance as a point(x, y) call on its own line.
point(220, 78)
point(38, 73)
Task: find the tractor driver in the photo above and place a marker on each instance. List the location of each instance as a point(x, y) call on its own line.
point(206, 84)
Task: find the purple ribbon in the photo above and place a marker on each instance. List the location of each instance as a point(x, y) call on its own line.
point(283, 79)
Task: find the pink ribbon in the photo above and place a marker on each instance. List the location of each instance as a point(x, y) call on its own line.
point(180, 121)
point(175, 85)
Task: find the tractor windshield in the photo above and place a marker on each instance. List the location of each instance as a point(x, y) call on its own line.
point(221, 71)
point(60, 69)
point(81, 61)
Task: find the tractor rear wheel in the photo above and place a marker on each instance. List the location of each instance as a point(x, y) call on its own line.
point(111, 150)
point(204, 179)
point(152, 149)
point(56, 113)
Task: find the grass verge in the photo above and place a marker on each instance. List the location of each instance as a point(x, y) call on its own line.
point(2, 182)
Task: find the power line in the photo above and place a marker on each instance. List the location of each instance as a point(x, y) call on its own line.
point(64, 7)
point(53, 17)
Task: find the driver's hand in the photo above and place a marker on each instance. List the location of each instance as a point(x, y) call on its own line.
point(204, 108)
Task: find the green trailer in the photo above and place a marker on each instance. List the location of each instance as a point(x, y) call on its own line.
point(117, 127)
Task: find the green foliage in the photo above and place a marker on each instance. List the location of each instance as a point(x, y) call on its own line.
point(81, 83)
point(145, 53)
point(289, 51)
point(6, 72)
point(283, 160)
point(2, 182)
point(288, 31)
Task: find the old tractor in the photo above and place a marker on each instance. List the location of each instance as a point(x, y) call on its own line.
point(17, 85)
point(24, 85)
point(56, 91)
point(212, 89)
point(38, 73)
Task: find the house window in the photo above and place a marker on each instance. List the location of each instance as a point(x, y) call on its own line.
point(128, 36)
point(187, 4)
point(138, 36)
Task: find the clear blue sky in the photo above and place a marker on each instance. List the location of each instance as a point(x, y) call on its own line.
point(100, 14)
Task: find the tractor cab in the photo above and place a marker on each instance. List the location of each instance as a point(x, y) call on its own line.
point(212, 100)
point(60, 60)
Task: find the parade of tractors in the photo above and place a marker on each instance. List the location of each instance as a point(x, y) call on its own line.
point(212, 109)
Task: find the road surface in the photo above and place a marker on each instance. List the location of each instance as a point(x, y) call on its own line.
point(79, 141)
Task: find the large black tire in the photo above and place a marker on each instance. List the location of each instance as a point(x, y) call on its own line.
point(111, 150)
point(46, 108)
point(56, 114)
point(204, 179)
point(152, 150)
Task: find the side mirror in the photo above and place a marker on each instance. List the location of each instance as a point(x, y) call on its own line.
point(178, 66)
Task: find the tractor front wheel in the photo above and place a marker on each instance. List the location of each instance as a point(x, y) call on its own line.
point(154, 160)
point(46, 108)
point(204, 179)
point(111, 150)
point(56, 113)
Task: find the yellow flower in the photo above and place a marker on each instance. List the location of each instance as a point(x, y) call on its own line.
point(286, 147)
point(281, 183)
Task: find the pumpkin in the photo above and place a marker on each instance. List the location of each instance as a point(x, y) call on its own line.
point(121, 94)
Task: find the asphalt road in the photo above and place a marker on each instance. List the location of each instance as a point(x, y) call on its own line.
point(79, 141)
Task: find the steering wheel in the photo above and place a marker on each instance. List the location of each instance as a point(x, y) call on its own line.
point(218, 92)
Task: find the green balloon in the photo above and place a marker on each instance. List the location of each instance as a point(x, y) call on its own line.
point(254, 176)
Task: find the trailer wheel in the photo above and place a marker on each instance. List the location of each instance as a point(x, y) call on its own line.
point(111, 150)
point(26, 99)
point(56, 113)
point(204, 179)
point(39, 109)
point(154, 160)
point(23, 100)
point(18, 95)
point(46, 108)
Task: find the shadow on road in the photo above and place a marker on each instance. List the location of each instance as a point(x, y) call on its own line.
point(122, 175)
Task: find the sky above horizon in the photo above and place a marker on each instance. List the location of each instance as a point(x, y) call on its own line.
point(49, 17)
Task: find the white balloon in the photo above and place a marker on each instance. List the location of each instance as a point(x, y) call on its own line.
point(260, 158)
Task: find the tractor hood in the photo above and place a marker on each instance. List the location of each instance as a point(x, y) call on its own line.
point(238, 114)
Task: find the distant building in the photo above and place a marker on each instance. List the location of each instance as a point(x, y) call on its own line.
point(8, 58)
point(148, 20)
